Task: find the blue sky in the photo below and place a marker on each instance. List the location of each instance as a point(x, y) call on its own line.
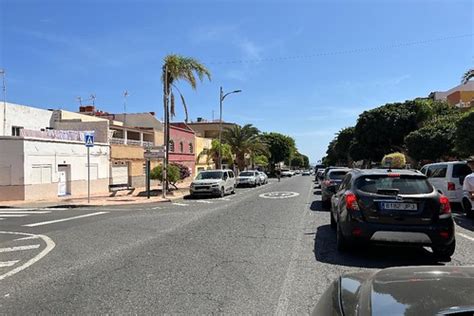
point(54, 51)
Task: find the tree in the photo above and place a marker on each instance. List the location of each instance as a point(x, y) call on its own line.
point(383, 129)
point(176, 68)
point(213, 153)
point(279, 146)
point(433, 141)
point(468, 75)
point(173, 174)
point(464, 135)
point(260, 160)
point(183, 170)
point(243, 141)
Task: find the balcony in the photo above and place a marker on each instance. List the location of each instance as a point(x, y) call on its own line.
point(130, 142)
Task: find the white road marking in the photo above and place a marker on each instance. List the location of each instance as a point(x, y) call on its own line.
point(8, 263)
point(224, 199)
point(156, 208)
point(204, 201)
point(18, 248)
point(465, 236)
point(64, 219)
point(49, 246)
point(16, 209)
point(278, 195)
point(24, 212)
point(55, 208)
point(1, 219)
point(28, 237)
point(13, 215)
point(180, 204)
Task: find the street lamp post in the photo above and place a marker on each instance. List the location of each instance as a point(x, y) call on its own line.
point(221, 100)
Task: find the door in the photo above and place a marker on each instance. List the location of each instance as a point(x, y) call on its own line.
point(119, 174)
point(63, 180)
point(437, 177)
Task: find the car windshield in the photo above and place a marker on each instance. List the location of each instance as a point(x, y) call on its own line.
point(404, 184)
point(337, 175)
point(209, 175)
point(246, 174)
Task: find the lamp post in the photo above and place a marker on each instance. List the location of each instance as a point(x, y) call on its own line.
point(221, 100)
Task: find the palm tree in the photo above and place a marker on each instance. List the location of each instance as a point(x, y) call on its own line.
point(176, 68)
point(213, 153)
point(468, 75)
point(243, 141)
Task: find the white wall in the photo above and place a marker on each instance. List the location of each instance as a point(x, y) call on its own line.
point(41, 154)
point(24, 116)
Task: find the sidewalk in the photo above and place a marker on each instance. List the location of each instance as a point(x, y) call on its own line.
point(137, 196)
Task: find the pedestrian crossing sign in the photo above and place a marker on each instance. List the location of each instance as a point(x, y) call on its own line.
point(89, 140)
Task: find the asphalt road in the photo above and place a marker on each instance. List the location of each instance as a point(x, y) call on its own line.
point(243, 254)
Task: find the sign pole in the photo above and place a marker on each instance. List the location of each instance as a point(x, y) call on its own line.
point(88, 176)
point(148, 178)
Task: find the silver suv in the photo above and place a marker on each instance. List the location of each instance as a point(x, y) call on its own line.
point(213, 182)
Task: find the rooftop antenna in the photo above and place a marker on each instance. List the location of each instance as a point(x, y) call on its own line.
point(80, 100)
point(125, 95)
point(93, 98)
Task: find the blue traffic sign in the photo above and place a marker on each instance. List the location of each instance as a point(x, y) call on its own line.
point(89, 140)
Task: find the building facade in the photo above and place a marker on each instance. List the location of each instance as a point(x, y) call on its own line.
point(203, 161)
point(39, 161)
point(182, 146)
point(461, 96)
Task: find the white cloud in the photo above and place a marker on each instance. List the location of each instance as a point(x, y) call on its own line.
point(249, 49)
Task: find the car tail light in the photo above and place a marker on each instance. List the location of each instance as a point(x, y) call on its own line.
point(451, 186)
point(445, 208)
point(351, 201)
point(444, 234)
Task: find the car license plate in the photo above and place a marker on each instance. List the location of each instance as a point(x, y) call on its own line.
point(399, 206)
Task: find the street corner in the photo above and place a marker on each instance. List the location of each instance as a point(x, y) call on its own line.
point(19, 251)
point(279, 195)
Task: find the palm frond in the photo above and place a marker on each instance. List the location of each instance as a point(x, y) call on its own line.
point(468, 75)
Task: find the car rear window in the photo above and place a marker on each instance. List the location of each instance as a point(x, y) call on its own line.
point(337, 175)
point(405, 184)
point(247, 174)
point(461, 170)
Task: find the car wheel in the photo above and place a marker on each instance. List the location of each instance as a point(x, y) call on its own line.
point(444, 252)
point(222, 193)
point(333, 221)
point(255, 184)
point(341, 242)
point(233, 191)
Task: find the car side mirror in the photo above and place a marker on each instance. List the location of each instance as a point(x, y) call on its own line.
point(439, 191)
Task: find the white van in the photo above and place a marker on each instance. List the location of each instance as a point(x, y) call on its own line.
point(448, 177)
point(213, 182)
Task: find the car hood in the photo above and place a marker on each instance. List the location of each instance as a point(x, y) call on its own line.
point(206, 181)
point(427, 290)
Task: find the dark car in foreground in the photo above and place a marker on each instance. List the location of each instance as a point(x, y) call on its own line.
point(330, 184)
point(392, 206)
point(424, 290)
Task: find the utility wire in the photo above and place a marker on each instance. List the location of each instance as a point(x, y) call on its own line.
point(340, 52)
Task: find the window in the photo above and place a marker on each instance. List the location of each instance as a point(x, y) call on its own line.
point(41, 174)
point(171, 145)
point(404, 184)
point(181, 147)
point(191, 149)
point(231, 174)
point(16, 130)
point(225, 176)
point(437, 171)
point(461, 171)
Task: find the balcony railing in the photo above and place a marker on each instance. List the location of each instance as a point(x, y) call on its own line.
point(131, 142)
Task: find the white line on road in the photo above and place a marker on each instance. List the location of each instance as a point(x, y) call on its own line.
point(7, 263)
point(27, 237)
point(180, 204)
point(18, 248)
point(24, 212)
point(156, 208)
point(13, 215)
point(204, 201)
point(49, 246)
point(466, 236)
point(64, 219)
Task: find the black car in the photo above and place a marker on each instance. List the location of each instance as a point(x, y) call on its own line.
point(392, 206)
point(330, 184)
point(425, 290)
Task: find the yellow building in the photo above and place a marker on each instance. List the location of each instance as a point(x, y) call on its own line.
point(203, 162)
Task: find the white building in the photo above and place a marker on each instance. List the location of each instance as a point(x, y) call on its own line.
point(39, 162)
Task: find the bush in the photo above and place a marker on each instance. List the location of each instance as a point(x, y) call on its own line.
point(183, 171)
point(464, 135)
point(173, 173)
point(394, 160)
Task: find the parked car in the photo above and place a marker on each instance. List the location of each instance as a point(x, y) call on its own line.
point(263, 177)
point(213, 182)
point(331, 183)
point(320, 175)
point(286, 173)
point(448, 177)
point(318, 168)
point(248, 178)
point(392, 206)
point(306, 173)
point(422, 290)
